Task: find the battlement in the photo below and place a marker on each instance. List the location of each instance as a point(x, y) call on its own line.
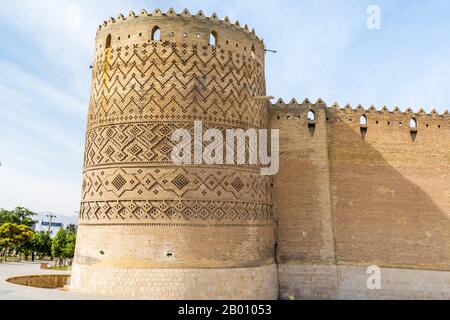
point(185, 13)
point(360, 115)
point(181, 27)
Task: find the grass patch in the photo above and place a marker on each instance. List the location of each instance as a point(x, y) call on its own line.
point(66, 268)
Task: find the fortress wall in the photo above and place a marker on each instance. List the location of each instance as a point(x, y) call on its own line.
point(347, 196)
point(390, 203)
point(391, 196)
point(301, 195)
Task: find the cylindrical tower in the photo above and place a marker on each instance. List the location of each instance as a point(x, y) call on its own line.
point(147, 227)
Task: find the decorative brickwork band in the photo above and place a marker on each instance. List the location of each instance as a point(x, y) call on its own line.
point(164, 81)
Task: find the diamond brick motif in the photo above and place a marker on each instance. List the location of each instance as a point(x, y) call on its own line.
point(237, 184)
point(119, 182)
point(180, 181)
point(135, 149)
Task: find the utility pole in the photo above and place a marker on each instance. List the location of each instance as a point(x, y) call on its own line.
point(50, 223)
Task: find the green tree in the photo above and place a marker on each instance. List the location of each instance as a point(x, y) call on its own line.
point(17, 216)
point(59, 243)
point(27, 248)
point(13, 235)
point(25, 216)
point(69, 249)
point(63, 244)
point(42, 244)
point(7, 216)
point(71, 228)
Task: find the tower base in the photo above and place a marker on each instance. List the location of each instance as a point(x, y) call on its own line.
point(260, 283)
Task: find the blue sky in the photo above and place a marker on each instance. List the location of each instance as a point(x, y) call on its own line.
point(324, 50)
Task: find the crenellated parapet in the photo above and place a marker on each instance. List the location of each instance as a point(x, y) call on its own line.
point(181, 28)
point(359, 115)
point(296, 110)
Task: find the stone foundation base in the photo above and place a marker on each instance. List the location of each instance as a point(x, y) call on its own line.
point(178, 284)
point(350, 282)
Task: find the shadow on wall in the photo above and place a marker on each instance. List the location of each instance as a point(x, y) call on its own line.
point(380, 216)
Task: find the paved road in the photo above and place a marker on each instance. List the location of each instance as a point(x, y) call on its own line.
point(9, 291)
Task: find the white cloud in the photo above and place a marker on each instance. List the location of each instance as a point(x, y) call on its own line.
point(58, 194)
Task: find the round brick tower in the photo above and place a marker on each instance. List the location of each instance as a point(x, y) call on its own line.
point(151, 229)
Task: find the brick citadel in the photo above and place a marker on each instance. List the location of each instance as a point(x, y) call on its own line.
point(356, 187)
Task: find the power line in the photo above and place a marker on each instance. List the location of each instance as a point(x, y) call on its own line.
point(10, 201)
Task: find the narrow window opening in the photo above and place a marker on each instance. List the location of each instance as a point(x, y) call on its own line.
point(253, 51)
point(213, 38)
point(169, 254)
point(108, 42)
point(363, 120)
point(413, 129)
point(156, 34)
point(312, 129)
point(363, 132)
point(311, 115)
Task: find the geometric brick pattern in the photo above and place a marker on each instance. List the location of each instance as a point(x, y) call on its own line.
point(175, 211)
point(141, 93)
point(172, 183)
point(135, 143)
point(177, 82)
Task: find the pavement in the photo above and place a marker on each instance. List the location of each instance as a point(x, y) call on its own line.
point(9, 291)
